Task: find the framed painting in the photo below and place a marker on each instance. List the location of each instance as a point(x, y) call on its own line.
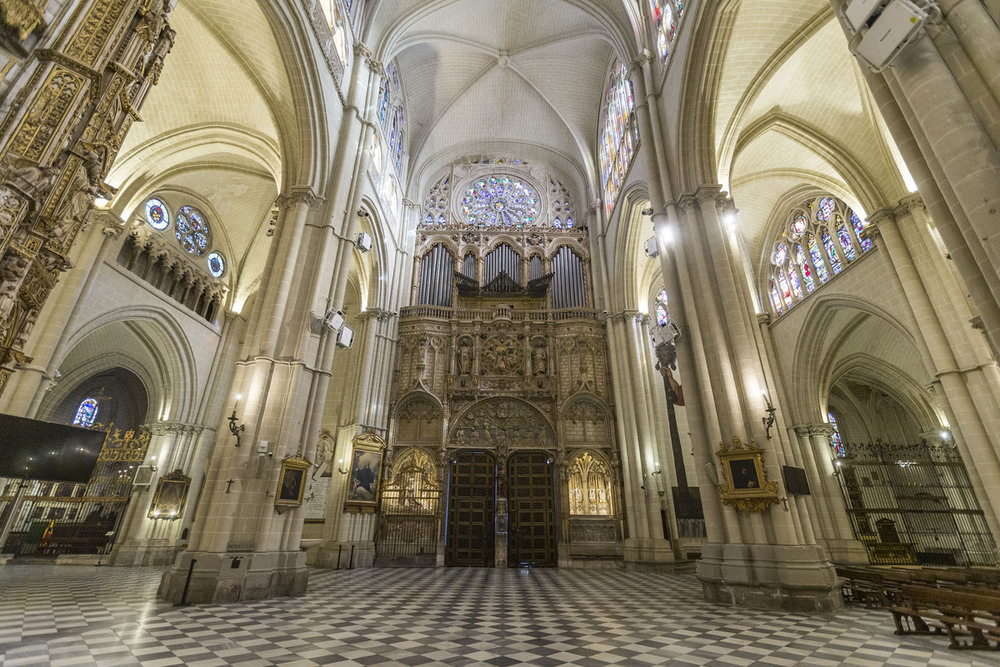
point(745, 484)
point(291, 483)
point(365, 472)
point(170, 496)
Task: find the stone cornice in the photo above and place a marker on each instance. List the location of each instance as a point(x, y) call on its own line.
point(175, 428)
point(821, 429)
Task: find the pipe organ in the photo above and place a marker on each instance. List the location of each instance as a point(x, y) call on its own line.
point(511, 360)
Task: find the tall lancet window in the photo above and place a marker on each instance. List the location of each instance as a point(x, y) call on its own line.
point(618, 138)
point(86, 413)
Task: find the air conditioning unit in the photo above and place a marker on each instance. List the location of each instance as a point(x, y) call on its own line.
point(345, 337)
point(894, 28)
point(364, 242)
point(143, 476)
point(652, 247)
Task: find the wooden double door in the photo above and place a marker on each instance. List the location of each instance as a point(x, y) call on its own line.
point(473, 494)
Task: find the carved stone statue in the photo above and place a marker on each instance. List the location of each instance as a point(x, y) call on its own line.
point(154, 17)
point(34, 181)
point(539, 361)
point(324, 453)
point(12, 272)
point(464, 359)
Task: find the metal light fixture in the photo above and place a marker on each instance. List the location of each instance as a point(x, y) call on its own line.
point(235, 429)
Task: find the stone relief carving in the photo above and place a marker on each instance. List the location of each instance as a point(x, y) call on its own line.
point(500, 423)
point(502, 356)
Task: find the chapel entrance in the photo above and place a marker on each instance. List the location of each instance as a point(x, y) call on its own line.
point(531, 510)
point(472, 501)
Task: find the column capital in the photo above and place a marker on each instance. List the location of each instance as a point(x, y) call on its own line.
point(909, 204)
point(763, 318)
point(299, 195)
point(640, 61)
point(820, 429)
point(883, 216)
point(362, 51)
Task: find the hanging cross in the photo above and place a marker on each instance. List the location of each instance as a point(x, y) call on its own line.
point(229, 483)
point(785, 501)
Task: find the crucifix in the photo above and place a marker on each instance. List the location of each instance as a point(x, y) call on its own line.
point(229, 483)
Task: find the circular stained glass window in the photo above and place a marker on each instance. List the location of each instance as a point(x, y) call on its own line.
point(216, 264)
point(192, 230)
point(500, 201)
point(798, 225)
point(156, 214)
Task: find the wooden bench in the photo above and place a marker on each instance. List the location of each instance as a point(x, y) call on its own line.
point(873, 588)
point(970, 617)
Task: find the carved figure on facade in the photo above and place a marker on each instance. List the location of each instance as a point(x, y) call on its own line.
point(464, 358)
point(34, 181)
point(501, 423)
point(539, 360)
point(502, 356)
point(12, 272)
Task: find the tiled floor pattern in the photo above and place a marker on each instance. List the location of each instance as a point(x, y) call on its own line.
point(85, 615)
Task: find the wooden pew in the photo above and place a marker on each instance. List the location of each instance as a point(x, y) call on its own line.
point(970, 617)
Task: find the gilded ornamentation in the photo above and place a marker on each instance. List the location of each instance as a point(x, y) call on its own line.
point(24, 16)
point(589, 486)
point(502, 356)
point(88, 43)
point(129, 447)
point(47, 111)
point(745, 484)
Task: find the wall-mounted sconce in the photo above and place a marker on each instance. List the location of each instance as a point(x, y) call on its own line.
point(836, 468)
point(340, 467)
point(235, 429)
point(768, 421)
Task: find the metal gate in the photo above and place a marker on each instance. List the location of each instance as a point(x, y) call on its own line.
point(66, 518)
point(472, 498)
point(408, 520)
point(531, 510)
point(914, 504)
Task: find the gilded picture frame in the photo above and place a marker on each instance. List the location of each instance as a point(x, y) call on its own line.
point(365, 474)
point(744, 483)
point(292, 482)
point(170, 497)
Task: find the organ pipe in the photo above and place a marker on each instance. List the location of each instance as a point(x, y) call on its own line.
point(436, 275)
point(568, 288)
point(502, 258)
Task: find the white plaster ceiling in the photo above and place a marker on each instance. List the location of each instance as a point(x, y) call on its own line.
point(478, 75)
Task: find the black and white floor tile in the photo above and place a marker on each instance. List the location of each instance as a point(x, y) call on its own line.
point(85, 615)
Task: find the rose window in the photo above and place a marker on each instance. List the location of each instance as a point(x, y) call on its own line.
point(500, 201)
point(192, 230)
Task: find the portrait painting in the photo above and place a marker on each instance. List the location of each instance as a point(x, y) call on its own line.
point(170, 497)
point(744, 482)
point(292, 483)
point(365, 472)
point(744, 473)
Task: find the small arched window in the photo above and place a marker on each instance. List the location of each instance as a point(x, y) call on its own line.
point(86, 413)
point(661, 308)
point(835, 440)
point(807, 249)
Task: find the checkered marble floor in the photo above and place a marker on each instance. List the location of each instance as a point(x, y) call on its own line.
point(86, 615)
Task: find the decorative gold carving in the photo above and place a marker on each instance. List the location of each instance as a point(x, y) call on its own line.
point(25, 16)
point(127, 448)
point(589, 486)
point(88, 43)
point(47, 111)
point(745, 483)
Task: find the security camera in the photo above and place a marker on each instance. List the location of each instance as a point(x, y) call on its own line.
point(364, 242)
point(652, 247)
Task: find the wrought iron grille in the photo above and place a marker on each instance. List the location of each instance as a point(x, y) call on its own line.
point(66, 518)
point(408, 521)
point(914, 504)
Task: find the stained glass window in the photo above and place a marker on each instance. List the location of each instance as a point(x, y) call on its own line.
point(825, 209)
point(859, 227)
point(793, 278)
point(845, 240)
point(383, 105)
point(500, 201)
point(800, 258)
point(666, 15)
point(662, 313)
point(835, 439)
point(775, 299)
point(156, 214)
point(831, 251)
point(618, 136)
point(86, 413)
point(817, 258)
point(780, 253)
point(192, 230)
point(798, 226)
point(783, 284)
point(216, 264)
point(399, 142)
